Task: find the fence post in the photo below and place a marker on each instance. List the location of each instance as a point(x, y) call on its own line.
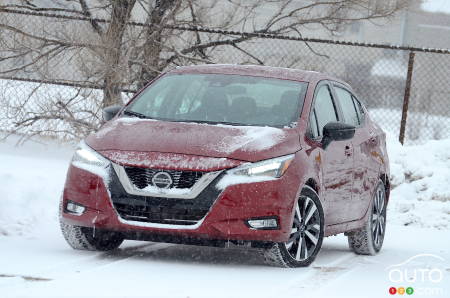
point(401, 137)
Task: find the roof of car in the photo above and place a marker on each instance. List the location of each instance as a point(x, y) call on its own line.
point(257, 70)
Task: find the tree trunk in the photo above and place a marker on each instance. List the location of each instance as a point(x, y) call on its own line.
point(154, 38)
point(120, 15)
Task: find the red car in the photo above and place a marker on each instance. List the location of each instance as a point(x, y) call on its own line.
point(266, 157)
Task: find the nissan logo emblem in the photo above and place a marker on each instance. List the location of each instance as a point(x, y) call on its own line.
point(162, 180)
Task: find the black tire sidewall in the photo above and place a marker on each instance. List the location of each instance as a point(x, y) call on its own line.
point(101, 240)
point(380, 185)
point(290, 261)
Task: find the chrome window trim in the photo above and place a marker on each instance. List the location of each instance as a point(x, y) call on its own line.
point(194, 191)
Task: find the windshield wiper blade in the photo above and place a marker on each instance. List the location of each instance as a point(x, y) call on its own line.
point(136, 114)
point(214, 122)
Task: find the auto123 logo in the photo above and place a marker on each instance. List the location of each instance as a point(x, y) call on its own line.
point(419, 275)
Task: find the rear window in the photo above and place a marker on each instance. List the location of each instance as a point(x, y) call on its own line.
point(216, 98)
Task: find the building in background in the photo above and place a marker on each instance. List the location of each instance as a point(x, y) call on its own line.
point(424, 24)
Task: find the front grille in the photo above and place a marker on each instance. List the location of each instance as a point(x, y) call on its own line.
point(160, 209)
point(142, 177)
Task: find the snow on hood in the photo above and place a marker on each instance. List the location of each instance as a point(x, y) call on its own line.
point(251, 139)
point(169, 160)
point(245, 143)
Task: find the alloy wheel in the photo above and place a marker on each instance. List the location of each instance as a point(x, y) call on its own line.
point(305, 230)
point(378, 217)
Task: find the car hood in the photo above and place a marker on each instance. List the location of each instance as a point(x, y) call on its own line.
point(247, 143)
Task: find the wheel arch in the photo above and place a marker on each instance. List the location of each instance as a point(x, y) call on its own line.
point(387, 184)
point(310, 185)
point(313, 184)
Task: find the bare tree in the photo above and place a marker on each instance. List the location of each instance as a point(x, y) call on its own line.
point(117, 55)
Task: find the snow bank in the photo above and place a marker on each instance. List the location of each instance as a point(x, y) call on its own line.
point(436, 6)
point(390, 68)
point(420, 177)
point(420, 127)
point(31, 181)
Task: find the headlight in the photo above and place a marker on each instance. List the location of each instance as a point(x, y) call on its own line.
point(86, 156)
point(275, 167)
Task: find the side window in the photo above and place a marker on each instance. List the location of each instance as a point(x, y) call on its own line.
point(314, 130)
point(359, 110)
point(348, 106)
point(324, 108)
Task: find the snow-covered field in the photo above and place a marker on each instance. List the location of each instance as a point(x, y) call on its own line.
point(35, 261)
point(420, 176)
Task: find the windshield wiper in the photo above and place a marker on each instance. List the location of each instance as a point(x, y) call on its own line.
point(136, 114)
point(213, 122)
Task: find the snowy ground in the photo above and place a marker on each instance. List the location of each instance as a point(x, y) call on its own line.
point(420, 126)
point(35, 261)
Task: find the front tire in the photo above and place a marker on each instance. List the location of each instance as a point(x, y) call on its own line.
point(84, 238)
point(306, 235)
point(369, 239)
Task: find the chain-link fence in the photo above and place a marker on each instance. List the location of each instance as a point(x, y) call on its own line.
point(55, 63)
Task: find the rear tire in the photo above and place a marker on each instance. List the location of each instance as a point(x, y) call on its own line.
point(369, 239)
point(306, 235)
point(84, 238)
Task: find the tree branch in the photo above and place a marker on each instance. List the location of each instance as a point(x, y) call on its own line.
point(87, 13)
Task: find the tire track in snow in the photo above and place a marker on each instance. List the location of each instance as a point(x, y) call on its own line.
point(79, 265)
point(317, 276)
point(100, 260)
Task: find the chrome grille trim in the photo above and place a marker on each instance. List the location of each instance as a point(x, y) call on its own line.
point(143, 177)
point(193, 192)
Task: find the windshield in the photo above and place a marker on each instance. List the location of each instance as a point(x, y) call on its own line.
point(217, 98)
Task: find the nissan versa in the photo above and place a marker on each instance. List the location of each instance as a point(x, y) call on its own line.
point(265, 157)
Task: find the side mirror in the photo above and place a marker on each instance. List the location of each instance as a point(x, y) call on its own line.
point(337, 131)
point(111, 111)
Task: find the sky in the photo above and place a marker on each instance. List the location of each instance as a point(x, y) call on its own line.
point(437, 5)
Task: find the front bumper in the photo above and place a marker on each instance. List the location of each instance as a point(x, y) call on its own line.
point(227, 211)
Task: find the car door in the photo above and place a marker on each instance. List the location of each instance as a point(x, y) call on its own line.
point(336, 159)
point(353, 114)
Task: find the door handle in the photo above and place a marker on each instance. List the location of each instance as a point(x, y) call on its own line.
point(348, 150)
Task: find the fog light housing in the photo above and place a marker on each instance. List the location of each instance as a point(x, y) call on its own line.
point(263, 223)
point(75, 208)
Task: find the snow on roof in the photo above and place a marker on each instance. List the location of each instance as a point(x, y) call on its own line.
point(436, 6)
point(388, 67)
point(257, 70)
